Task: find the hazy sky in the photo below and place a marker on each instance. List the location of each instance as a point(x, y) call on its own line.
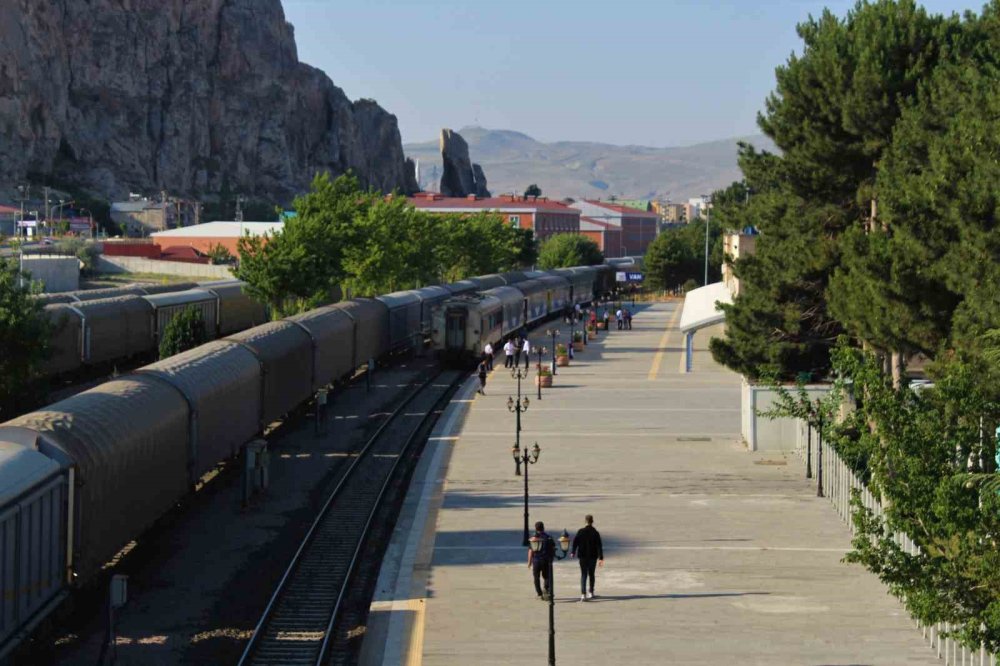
point(649, 72)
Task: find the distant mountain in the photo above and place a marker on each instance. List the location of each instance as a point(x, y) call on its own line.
point(512, 161)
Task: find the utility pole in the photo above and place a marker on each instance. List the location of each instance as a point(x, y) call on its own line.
point(708, 208)
point(239, 212)
point(46, 192)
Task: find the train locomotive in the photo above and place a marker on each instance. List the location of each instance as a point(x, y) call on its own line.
point(81, 478)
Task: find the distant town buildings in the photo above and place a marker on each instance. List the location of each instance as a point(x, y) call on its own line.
point(140, 216)
point(203, 237)
point(607, 236)
point(9, 215)
point(734, 246)
point(671, 213)
point(637, 228)
point(546, 218)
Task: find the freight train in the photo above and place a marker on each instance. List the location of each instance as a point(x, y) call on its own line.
point(106, 326)
point(81, 478)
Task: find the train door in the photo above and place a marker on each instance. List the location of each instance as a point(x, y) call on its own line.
point(454, 331)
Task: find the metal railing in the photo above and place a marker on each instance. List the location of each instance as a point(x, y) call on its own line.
point(839, 482)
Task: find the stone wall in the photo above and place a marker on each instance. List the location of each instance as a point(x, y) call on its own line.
point(106, 264)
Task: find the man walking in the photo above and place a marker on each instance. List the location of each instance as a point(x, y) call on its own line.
point(588, 548)
point(526, 350)
point(508, 350)
point(488, 352)
point(539, 562)
point(481, 372)
point(618, 318)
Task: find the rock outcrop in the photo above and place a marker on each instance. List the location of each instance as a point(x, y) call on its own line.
point(459, 177)
point(190, 97)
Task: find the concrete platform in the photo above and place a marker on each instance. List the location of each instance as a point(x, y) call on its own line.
point(713, 554)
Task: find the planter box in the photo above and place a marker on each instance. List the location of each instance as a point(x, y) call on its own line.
point(600, 326)
point(544, 382)
point(562, 361)
point(578, 346)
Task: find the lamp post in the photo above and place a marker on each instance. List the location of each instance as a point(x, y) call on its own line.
point(553, 333)
point(528, 458)
point(819, 449)
point(541, 352)
point(536, 544)
point(518, 406)
point(708, 209)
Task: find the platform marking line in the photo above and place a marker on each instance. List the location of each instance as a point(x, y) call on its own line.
point(655, 369)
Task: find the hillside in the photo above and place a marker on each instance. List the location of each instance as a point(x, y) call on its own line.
point(512, 161)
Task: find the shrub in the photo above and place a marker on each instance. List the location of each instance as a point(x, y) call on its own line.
point(185, 331)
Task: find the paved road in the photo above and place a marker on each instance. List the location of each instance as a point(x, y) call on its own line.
point(714, 555)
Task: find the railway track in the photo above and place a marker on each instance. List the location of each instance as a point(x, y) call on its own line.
point(297, 625)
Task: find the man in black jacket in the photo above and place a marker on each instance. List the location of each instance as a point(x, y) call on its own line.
point(588, 548)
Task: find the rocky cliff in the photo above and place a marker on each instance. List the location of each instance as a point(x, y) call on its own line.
point(459, 177)
point(191, 97)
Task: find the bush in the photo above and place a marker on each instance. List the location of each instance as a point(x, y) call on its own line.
point(560, 349)
point(185, 331)
point(578, 336)
point(544, 371)
point(689, 285)
point(219, 254)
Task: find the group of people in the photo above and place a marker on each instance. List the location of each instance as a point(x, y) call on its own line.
point(513, 349)
point(587, 549)
point(623, 317)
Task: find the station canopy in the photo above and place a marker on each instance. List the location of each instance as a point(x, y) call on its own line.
point(701, 307)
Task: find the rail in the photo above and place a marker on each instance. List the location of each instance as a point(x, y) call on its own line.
point(839, 482)
point(297, 624)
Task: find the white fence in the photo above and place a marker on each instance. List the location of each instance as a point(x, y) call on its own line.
point(838, 483)
point(115, 264)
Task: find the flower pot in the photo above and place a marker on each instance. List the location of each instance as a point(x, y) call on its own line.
point(562, 361)
point(600, 326)
point(543, 381)
point(578, 346)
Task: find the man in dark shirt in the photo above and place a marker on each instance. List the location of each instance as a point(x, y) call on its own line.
point(588, 548)
point(539, 562)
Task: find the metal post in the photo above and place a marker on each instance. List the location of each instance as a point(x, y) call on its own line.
point(707, 214)
point(552, 611)
point(540, 350)
point(819, 457)
point(526, 464)
point(809, 441)
point(688, 351)
point(554, 353)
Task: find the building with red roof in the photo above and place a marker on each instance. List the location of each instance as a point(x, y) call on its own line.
point(544, 217)
point(638, 228)
point(607, 236)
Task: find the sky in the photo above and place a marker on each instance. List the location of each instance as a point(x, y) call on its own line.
point(645, 72)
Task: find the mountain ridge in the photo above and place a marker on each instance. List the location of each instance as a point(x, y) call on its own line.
point(513, 160)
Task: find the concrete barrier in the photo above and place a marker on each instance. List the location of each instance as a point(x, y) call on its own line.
point(56, 273)
point(106, 264)
point(763, 434)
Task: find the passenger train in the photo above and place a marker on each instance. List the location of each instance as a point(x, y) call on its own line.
point(81, 478)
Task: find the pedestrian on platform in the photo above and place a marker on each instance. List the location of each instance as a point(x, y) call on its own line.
point(539, 562)
point(508, 350)
point(587, 547)
point(619, 318)
point(526, 350)
point(488, 352)
point(517, 351)
point(628, 319)
point(481, 372)
point(607, 319)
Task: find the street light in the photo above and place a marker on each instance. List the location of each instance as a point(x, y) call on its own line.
point(518, 406)
point(541, 352)
point(708, 211)
point(528, 458)
point(819, 449)
point(536, 545)
point(553, 333)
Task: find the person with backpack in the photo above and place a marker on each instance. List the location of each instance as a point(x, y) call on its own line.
point(587, 547)
point(539, 562)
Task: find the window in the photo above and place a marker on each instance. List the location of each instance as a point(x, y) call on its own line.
point(515, 221)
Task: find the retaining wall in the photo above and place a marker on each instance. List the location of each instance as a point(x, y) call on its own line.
point(106, 264)
point(55, 273)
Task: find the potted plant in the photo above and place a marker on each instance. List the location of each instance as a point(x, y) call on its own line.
point(578, 341)
point(562, 355)
point(544, 377)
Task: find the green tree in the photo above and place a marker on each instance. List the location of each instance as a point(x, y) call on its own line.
point(669, 261)
point(533, 191)
point(567, 250)
point(527, 248)
point(477, 244)
point(24, 335)
point(298, 268)
point(185, 331)
point(832, 115)
point(220, 254)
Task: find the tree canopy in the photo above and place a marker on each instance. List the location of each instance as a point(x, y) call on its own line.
point(566, 250)
point(24, 335)
point(185, 331)
point(533, 191)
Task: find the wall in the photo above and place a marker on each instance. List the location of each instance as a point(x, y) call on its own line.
point(763, 434)
point(55, 273)
point(107, 264)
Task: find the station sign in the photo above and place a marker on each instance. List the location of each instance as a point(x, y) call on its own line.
point(622, 276)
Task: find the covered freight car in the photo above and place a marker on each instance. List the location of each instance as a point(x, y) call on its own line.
point(285, 351)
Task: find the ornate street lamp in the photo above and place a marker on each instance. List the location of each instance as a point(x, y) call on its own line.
point(553, 333)
point(536, 546)
point(528, 458)
point(518, 406)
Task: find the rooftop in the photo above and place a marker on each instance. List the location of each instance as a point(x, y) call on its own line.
point(433, 201)
point(624, 210)
point(590, 224)
point(221, 230)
